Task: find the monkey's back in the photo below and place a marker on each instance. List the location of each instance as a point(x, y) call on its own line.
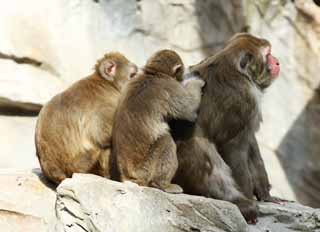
point(142, 116)
point(76, 122)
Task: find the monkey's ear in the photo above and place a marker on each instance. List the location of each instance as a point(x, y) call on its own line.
point(245, 59)
point(107, 69)
point(176, 69)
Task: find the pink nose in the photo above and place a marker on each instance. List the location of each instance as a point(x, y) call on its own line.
point(273, 65)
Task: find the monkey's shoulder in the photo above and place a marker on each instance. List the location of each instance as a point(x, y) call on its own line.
point(151, 88)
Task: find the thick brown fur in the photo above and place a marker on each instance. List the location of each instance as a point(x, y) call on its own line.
point(218, 154)
point(73, 132)
point(142, 143)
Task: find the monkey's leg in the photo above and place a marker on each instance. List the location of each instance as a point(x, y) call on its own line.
point(165, 164)
point(236, 154)
point(202, 171)
point(101, 167)
point(85, 162)
point(54, 173)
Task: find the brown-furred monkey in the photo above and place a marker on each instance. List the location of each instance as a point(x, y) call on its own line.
point(218, 154)
point(73, 132)
point(143, 147)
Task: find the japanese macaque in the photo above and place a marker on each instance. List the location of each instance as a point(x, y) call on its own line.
point(73, 132)
point(218, 154)
point(143, 147)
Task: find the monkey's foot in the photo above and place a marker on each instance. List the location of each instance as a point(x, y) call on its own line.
point(252, 221)
point(249, 210)
point(173, 188)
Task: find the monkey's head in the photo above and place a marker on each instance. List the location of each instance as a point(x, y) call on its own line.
point(252, 57)
point(167, 62)
point(116, 68)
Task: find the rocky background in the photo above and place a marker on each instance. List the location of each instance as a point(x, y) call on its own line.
point(47, 45)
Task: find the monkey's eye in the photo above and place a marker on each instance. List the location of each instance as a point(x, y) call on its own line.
point(245, 59)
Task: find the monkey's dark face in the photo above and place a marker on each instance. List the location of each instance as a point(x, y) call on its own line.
point(167, 62)
point(254, 59)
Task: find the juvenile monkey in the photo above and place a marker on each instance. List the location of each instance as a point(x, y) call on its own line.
point(142, 143)
point(218, 155)
point(73, 132)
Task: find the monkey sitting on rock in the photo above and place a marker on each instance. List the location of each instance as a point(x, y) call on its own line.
point(218, 155)
point(143, 147)
point(73, 132)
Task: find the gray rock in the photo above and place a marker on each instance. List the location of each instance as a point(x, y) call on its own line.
point(26, 83)
point(287, 217)
point(289, 135)
point(26, 201)
point(17, 143)
point(92, 203)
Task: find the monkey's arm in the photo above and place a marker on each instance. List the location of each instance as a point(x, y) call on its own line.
point(185, 100)
point(258, 171)
point(261, 185)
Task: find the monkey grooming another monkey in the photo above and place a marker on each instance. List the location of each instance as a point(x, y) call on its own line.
point(218, 155)
point(73, 132)
point(142, 144)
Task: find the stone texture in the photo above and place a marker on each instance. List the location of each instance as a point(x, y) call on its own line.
point(287, 217)
point(289, 134)
point(17, 143)
point(68, 37)
point(92, 203)
point(26, 83)
point(26, 201)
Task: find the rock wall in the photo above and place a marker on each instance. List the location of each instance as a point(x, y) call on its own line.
point(47, 45)
point(290, 131)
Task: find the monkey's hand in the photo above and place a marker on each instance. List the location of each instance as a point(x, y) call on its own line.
point(194, 89)
point(193, 84)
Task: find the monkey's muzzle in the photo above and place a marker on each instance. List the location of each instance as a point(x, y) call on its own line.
point(273, 65)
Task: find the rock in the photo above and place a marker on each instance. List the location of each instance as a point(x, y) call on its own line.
point(68, 37)
point(17, 143)
point(91, 203)
point(14, 108)
point(25, 83)
point(16, 222)
point(26, 201)
point(287, 217)
point(289, 134)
